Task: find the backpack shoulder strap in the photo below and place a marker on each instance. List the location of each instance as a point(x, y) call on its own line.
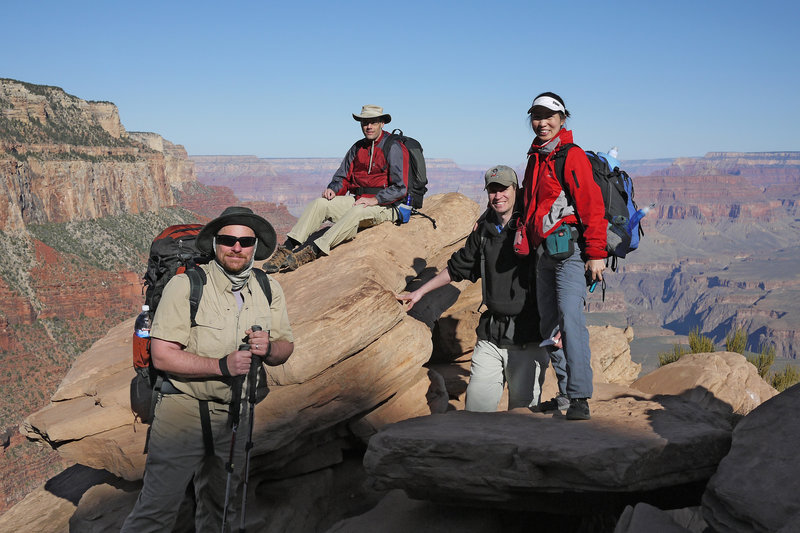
point(560, 161)
point(263, 280)
point(482, 251)
point(197, 278)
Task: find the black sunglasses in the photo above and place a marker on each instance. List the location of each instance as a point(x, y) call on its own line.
point(231, 240)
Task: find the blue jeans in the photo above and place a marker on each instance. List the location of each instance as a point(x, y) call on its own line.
point(561, 296)
point(521, 366)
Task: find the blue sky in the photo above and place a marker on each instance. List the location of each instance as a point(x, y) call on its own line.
point(281, 79)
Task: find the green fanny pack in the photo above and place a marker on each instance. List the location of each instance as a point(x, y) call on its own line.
point(560, 244)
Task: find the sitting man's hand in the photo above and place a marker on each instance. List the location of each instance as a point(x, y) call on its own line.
point(364, 202)
point(328, 194)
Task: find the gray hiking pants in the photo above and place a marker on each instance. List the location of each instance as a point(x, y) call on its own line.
point(561, 296)
point(521, 366)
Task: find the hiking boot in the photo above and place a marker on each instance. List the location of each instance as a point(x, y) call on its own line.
point(578, 409)
point(277, 259)
point(559, 403)
point(295, 260)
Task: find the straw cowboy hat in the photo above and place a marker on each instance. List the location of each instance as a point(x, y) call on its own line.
point(373, 111)
point(239, 216)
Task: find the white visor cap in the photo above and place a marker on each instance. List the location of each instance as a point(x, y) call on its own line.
point(549, 102)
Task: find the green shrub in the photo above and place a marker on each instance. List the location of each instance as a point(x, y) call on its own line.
point(699, 343)
point(785, 378)
point(678, 351)
point(764, 360)
point(736, 340)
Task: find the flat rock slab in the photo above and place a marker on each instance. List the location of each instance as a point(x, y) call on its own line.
point(633, 443)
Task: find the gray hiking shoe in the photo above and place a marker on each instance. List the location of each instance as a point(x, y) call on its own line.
point(578, 409)
point(559, 403)
point(277, 259)
point(297, 259)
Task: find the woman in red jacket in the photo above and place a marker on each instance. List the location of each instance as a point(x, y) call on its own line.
point(565, 221)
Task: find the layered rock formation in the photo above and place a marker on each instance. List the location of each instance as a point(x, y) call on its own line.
point(63, 158)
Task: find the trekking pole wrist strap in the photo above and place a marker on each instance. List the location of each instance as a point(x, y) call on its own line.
point(223, 367)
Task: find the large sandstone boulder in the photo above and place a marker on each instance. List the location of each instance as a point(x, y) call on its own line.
point(756, 486)
point(635, 443)
point(721, 381)
point(355, 349)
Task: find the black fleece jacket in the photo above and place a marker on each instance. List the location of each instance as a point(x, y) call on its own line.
point(512, 317)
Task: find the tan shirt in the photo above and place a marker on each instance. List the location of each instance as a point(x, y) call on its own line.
point(221, 325)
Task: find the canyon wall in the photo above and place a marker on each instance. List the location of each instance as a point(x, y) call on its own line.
point(63, 158)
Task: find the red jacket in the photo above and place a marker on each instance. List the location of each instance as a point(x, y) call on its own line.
point(368, 171)
point(547, 206)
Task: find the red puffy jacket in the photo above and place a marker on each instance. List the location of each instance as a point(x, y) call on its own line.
point(368, 171)
point(547, 206)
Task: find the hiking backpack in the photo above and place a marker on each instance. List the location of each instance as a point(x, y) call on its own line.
point(620, 207)
point(417, 173)
point(173, 251)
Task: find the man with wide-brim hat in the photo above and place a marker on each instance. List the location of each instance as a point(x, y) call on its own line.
point(192, 432)
point(370, 112)
point(365, 191)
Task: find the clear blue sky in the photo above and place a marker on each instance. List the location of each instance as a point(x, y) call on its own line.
point(281, 79)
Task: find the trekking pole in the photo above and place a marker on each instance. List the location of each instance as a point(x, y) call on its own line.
point(252, 378)
point(236, 399)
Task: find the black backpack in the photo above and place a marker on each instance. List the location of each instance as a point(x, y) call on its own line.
point(620, 207)
point(417, 173)
point(172, 252)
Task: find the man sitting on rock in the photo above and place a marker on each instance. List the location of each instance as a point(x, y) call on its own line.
point(508, 331)
point(377, 181)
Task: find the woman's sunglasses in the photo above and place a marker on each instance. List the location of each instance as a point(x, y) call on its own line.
point(231, 240)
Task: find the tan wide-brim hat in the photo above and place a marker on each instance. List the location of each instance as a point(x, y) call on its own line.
point(373, 111)
point(239, 216)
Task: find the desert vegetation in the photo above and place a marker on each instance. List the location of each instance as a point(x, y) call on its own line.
point(736, 341)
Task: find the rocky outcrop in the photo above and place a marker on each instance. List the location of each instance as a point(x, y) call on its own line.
point(63, 159)
point(179, 169)
point(723, 382)
point(755, 487)
point(89, 420)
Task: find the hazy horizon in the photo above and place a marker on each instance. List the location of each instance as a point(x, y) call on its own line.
point(272, 79)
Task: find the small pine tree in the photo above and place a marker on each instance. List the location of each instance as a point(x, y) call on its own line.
point(763, 361)
point(736, 340)
point(699, 343)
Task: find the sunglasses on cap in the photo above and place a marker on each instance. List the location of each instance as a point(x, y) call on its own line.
point(231, 240)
